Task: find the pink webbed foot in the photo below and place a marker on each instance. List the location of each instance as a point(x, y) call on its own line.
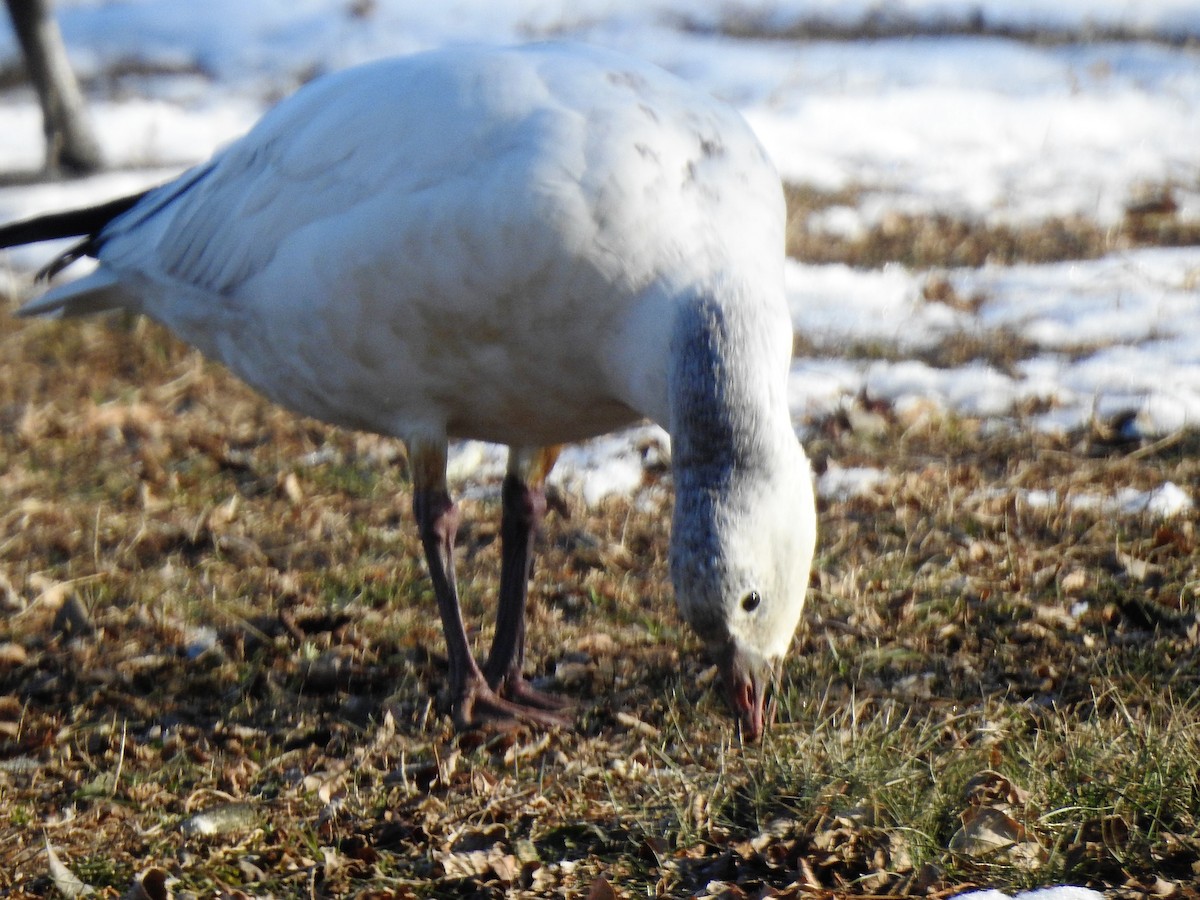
point(480, 708)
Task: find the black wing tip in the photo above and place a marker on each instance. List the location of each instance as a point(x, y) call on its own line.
point(86, 222)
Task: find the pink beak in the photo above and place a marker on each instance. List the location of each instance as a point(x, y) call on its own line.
point(747, 677)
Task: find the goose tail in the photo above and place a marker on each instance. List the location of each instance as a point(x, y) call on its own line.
point(98, 292)
point(87, 223)
point(93, 293)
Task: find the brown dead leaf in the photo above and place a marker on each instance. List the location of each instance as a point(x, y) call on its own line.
point(222, 819)
point(528, 750)
point(1138, 570)
point(289, 486)
point(809, 877)
point(568, 672)
point(10, 600)
point(12, 655)
point(601, 890)
point(1074, 582)
point(985, 829)
point(1153, 886)
point(598, 644)
point(991, 788)
point(507, 868)
point(1055, 616)
point(138, 419)
point(633, 723)
point(11, 708)
point(1178, 539)
point(50, 592)
point(492, 862)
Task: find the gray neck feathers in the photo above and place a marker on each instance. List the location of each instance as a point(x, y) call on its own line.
point(720, 395)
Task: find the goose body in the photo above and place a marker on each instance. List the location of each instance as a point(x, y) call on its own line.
point(529, 246)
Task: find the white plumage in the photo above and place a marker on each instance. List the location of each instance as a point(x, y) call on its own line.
point(529, 246)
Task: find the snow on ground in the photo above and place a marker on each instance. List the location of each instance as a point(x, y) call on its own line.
point(1164, 502)
point(968, 126)
point(979, 125)
point(1119, 334)
point(1065, 892)
point(1168, 500)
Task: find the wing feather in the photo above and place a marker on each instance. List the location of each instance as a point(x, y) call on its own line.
point(222, 223)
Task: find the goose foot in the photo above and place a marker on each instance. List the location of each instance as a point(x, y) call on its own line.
point(478, 707)
point(517, 689)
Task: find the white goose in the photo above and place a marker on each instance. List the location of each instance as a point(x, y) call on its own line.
point(528, 246)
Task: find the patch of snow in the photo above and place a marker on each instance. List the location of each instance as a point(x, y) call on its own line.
point(1166, 501)
point(1061, 892)
point(840, 484)
point(1116, 335)
point(611, 465)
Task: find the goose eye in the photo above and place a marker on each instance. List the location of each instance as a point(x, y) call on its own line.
point(751, 601)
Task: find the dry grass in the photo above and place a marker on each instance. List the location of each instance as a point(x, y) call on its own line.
point(945, 241)
point(985, 691)
point(746, 22)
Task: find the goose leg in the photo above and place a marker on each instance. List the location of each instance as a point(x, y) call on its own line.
point(474, 703)
point(524, 506)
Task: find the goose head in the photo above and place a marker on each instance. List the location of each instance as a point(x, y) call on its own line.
point(741, 552)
